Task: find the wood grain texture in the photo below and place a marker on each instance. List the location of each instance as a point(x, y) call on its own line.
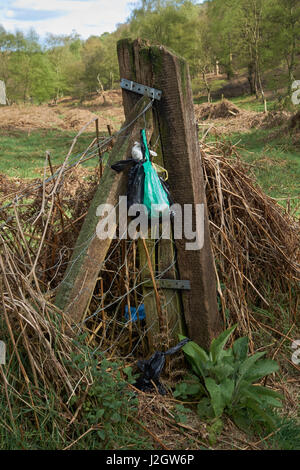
point(157, 67)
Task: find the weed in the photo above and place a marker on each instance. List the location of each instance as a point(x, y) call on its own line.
point(104, 422)
point(226, 382)
point(287, 436)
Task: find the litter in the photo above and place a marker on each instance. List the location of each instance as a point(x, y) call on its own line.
point(145, 186)
point(135, 314)
point(152, 368)
point(137, 153)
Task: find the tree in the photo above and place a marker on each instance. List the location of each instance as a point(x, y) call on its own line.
point(173, 23)
point(285, 15)
point(64, 53)
point(224, 32)
point(241, 33)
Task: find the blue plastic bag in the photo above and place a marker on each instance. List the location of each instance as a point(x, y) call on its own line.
point(135, 313)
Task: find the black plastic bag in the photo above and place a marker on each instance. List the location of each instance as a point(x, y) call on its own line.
point(136, 179)
point(152, 368)
point(167, 189)
point(121, 165)
point(135, 185)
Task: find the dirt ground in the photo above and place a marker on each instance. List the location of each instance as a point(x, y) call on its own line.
point(67, 114)
point(223, 117)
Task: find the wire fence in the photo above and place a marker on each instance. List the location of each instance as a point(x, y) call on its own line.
point(38, 233)
point(251, 237)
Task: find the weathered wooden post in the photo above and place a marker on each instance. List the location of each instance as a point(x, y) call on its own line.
point(2, 93)
point(155, 66)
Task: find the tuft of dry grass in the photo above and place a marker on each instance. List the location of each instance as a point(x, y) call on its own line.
point(255, 242)
point(222, 109)
point(66, 114)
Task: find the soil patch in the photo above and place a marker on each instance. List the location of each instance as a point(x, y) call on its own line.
point(29, 117)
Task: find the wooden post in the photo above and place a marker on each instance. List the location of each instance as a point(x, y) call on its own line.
point(89, 253)
point(99, 151)
point(155, 66)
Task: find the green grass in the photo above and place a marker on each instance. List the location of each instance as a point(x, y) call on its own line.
point(287, 436)
point(250, 103)
point(275, 162)
point(198, 86)
point(23, 155)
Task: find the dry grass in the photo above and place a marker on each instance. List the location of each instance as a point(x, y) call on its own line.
point(29, 117)
point(226, 118)
point(256, 244)
point(223, 109)
point(67, 114)
point(256, 247)
point(271, 119)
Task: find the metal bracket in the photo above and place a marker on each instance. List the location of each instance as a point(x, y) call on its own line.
point(170, 284)
point(141, 89)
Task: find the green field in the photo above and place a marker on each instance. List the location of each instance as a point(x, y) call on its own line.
point(22, 155)
point(274, 159)
point(275, 162)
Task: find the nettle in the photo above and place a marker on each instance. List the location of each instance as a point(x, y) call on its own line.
point(226, 382)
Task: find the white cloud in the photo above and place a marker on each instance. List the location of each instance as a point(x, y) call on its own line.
point(85, 16)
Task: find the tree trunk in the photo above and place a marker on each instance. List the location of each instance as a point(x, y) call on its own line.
point(251, 78)
point(208, 90)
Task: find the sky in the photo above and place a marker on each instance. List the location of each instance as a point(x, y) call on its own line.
point(87, 17)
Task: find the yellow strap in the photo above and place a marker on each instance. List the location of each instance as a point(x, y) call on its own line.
point(160, 169)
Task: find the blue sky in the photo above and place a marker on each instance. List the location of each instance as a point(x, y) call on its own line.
point(87, 17)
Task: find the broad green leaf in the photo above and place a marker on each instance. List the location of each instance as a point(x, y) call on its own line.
point(240, 348)
point(100, 413)
point(217, 401)
point(230, 360)
point(101, 434)
point(224, 354)
point(255, 397)
point(261, 369)
point(266, 417)
point(193, 347)
point(241, 418)
point(189, 389)
point(181, 390)
point(196, 355)
point(218, 343)
point(249, 363)
point(227, 389)
point(195, 389)
point(204, 408)
point(215, 430)
point(222, 371)
point(266, 393)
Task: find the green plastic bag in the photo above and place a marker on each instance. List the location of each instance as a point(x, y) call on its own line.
point(154, 193)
